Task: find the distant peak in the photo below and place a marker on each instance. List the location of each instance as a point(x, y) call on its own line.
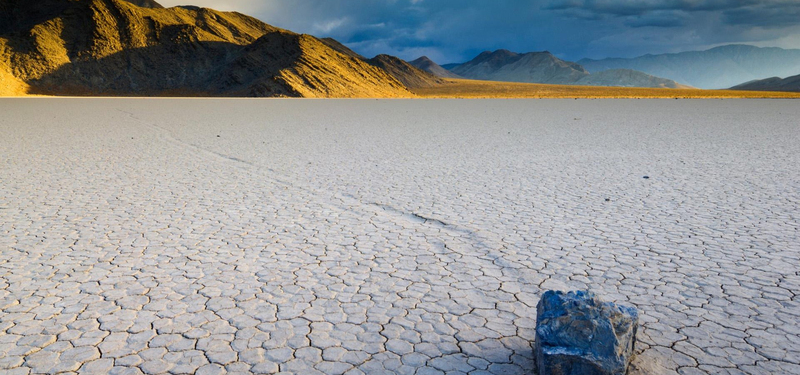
point(384, 56)
point(542, 53)
point(732, 46)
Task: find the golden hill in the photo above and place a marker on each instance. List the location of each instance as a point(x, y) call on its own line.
point(113, 47)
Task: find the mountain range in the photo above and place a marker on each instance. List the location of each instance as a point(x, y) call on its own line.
point(716, 68)
point(544, 67)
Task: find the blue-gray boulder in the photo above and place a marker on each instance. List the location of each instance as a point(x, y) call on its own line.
point(577, 333)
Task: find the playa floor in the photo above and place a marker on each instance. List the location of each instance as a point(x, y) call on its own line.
point(392, 236)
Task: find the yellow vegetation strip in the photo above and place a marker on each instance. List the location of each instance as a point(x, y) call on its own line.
point(461, 88)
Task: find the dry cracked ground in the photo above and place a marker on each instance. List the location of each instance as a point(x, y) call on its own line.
point(408, 237)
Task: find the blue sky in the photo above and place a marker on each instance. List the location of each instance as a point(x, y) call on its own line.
point(457, 30)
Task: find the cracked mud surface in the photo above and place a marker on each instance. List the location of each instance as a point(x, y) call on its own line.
point(413, 237)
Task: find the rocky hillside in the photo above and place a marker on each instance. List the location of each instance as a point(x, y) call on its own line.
point(772, 84)
point(115, 47)
point(716, 68)
point(425, 64)
point(543, 67)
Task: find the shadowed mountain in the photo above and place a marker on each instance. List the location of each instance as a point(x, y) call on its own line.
point(425, 64)
point(404, 72)
point(94, 47)
point(716, 68)
point(534, 67)
point(771, 84)
point(543, 67)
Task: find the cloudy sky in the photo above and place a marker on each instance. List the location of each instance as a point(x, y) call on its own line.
point(457, 30)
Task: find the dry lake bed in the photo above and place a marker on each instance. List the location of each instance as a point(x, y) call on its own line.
point(392, 236)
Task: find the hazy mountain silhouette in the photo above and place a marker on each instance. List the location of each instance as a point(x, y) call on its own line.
point(116, 47)
point(627, 78)
point(544, 67)
point(716, 68)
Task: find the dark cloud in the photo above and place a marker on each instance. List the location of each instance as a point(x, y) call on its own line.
point(766, 15)
point(457, 30)
point(658, 19)
point(674, 13)
point(641, 7)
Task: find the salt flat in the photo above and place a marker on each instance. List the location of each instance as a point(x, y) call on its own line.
point(381, 236)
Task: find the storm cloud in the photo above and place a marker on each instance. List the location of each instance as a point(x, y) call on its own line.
point(457, 30)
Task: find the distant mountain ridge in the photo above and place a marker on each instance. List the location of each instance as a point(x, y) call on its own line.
point(116, 47)
point(772, 84)
point(544, 67)
point(716, 68)
point(627, 78)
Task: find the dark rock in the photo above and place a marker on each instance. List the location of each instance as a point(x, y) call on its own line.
point(580, 334)
point(646, 177)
